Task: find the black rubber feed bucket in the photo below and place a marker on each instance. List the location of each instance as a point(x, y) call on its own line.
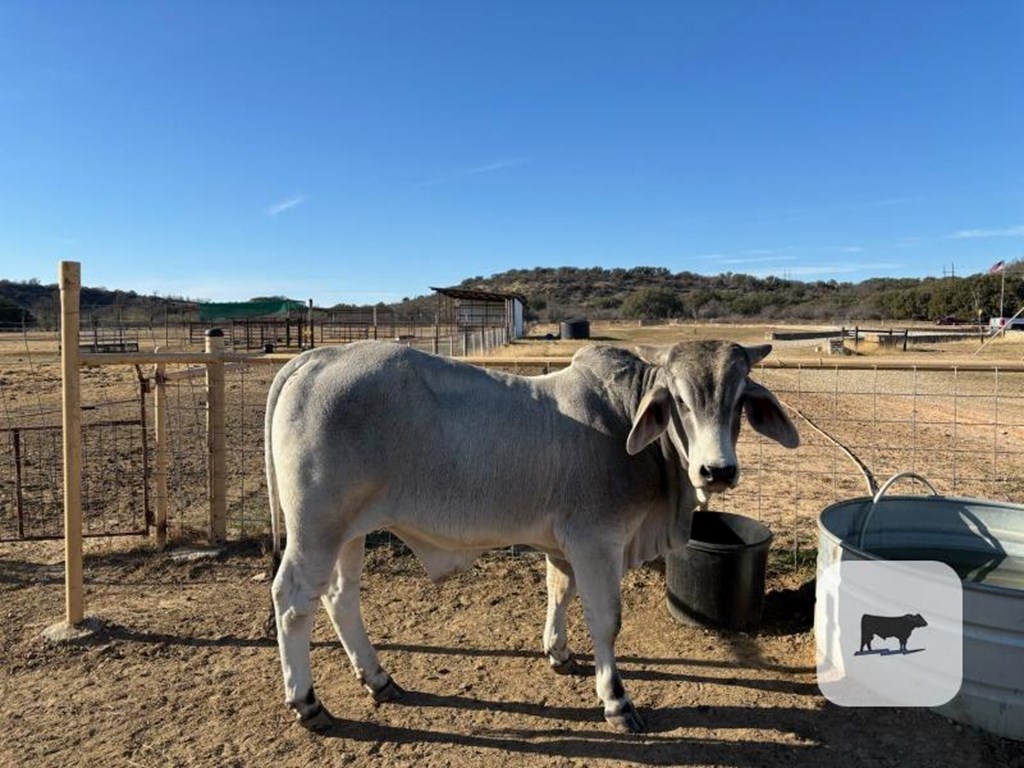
point(717, 579)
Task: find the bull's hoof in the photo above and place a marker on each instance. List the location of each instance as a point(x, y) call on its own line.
point(269, 627)
point(567, 667)
point(318, 721)
point(626, 718)
point(390, 692)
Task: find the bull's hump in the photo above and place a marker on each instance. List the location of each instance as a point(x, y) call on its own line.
point(605, 362)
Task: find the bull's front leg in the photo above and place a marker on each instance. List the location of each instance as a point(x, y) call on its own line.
point(561, 590)
point(599, 580)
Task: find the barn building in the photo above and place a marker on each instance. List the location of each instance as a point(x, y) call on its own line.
point(467, 310)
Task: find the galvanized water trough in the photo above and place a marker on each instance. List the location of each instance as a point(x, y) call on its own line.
point(983, 541)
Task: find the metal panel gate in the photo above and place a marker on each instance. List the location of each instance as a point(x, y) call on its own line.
point(115, 481)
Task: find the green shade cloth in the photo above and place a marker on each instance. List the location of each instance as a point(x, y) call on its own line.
point(240, 310)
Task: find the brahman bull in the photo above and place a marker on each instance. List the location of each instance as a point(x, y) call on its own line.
point(600, 466)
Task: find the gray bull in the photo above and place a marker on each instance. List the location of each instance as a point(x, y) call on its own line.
point(599, 466)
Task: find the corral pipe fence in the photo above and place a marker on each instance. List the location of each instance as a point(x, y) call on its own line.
point(292, 334)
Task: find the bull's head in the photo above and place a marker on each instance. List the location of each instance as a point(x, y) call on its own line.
point(697, 395)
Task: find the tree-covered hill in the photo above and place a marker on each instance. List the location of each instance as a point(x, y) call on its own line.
point(37, 303)
point(555, 293)
point(654, 292)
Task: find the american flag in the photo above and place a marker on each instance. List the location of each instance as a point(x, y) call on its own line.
point(997, 267)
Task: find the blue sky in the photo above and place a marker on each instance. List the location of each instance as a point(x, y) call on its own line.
point(365, 151)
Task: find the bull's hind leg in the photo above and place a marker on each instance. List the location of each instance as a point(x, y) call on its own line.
point(300, 580)
point(342, 603)
point(561, 589)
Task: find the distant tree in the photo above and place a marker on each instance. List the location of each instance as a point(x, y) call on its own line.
point(608, 302)
point(11, 313)
point(652, 304)
point(710, 310)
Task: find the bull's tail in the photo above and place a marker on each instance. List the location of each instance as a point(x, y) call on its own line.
point(268, 449)
point(275, 500)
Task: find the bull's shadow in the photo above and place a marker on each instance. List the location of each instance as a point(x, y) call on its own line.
point(889, 652)
point(592, 740)
point(585, 659)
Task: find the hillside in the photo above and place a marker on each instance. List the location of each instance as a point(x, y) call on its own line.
point(41, 302)
point(554, 293)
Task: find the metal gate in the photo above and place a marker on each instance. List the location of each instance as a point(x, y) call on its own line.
point(115, 479)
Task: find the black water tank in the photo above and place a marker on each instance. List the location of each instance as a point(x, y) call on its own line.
point(575, 328)
point(717, 579)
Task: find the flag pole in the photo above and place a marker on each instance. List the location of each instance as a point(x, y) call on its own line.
point(1002, 290)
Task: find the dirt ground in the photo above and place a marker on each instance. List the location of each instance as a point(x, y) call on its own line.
point(181, 674)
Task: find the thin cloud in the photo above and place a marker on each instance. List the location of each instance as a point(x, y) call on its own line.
point(910, 241)
point(801, 212)
point(1017, 231)
point(887, 202)
point(477, 170)
point(285, 205)
point(833, 269)
point(756, 259)
point(497, 165)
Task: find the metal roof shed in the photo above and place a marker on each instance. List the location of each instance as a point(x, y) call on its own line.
point(468, 310)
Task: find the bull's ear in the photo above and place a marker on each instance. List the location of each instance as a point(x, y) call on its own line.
point(756, 354)
point(652, 418)
point(766, 416)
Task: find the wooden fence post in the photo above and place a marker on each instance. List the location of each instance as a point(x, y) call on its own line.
point(215, 438)
point(312, 328)
point(70, 280)
point(162, 448)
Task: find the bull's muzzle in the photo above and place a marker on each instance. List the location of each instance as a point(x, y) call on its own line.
point(719, 478)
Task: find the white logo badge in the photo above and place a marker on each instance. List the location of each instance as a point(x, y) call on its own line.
point(889, 633)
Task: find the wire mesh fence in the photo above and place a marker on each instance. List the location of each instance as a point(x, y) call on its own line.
point(962, 428)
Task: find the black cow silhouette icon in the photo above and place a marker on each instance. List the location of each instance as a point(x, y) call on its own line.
point(885, 627)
